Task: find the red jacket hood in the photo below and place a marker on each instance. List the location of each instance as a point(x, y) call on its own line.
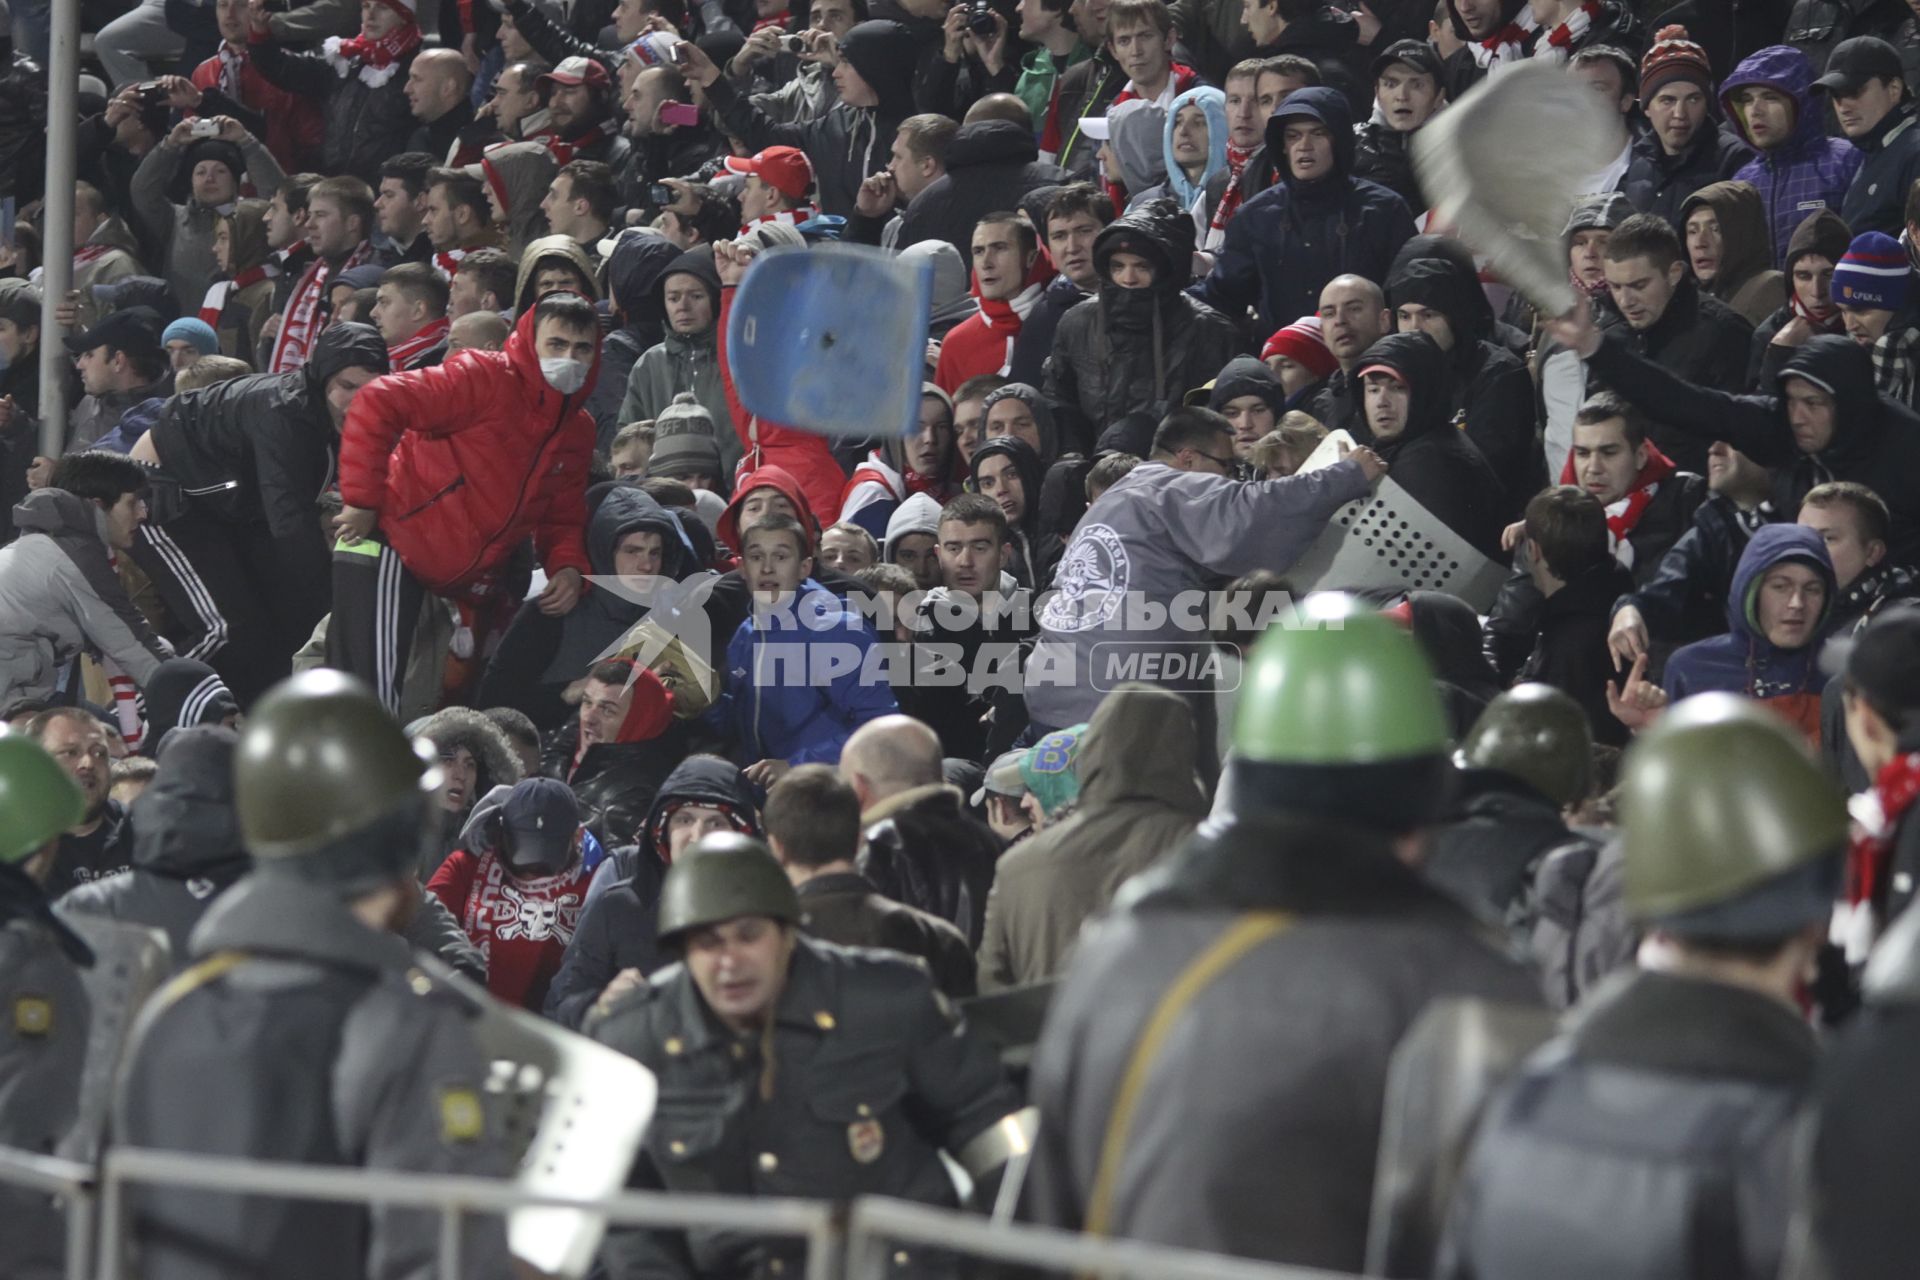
point(779, 478)
point(647, 716)
point(524, 360)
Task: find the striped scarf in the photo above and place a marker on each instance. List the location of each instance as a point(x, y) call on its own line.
point(1559, 42)
point(431, 335)
point(1229, 199)
point(304, 317)
point(448, 261)
point(214, 305)
point(792, 217)
point(1508, 44)
point(233, 60)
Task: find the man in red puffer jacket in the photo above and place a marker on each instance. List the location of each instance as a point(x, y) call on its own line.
point(444, 471)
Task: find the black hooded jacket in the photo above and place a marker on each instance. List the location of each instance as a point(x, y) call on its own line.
point(633, 273)
point(1437, 465)
point(186, 842)
point(924, 849)
point(1285, 244)
point(1701, 340)
point(1875, 439)
point(620, 927)
point(539, 656)
point(1491, 391)
point(258, 451)
point(991, 165)
point(1034, 552)
point(848, 143)
point(1124, 350)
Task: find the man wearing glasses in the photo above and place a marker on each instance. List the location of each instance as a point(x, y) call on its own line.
point(1130, 598)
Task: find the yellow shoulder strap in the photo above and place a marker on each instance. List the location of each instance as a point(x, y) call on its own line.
point(1248, 932)
point(193, 977)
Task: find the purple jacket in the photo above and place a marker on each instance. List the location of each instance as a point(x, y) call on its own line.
point(1810, 171)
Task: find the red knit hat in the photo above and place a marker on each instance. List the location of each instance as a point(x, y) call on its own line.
point(1674, 57)
point(1301, 343)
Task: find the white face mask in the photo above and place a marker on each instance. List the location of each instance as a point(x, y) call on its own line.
point(564, 375)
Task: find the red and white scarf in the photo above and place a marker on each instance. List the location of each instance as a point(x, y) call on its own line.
point(447, 261)
point(215, 303)
point(792, 217)
point(1508, 44)
point(563, 150)
point(1623, 514)
point(1829, 323)
point(88, 254)
point(233, 61)
point(430, 336)
point(1229, 199)
point(1876, 816)
point(376, 61)
point(1558, 43)
point(301, 323)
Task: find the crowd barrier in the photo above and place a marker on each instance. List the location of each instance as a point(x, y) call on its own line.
point(857, 1243)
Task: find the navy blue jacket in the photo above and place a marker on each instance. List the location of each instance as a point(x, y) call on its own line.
point(1288, 241)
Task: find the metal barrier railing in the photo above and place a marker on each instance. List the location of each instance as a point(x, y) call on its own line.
point(69, 1180)
point(878, 1226)
point(453, 1198)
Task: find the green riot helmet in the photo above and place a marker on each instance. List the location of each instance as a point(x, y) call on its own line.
point(1339, 717)
point(724, 876)
point(38, 800)
point(328, 784)
point(1729, 825)
point(1539, 735)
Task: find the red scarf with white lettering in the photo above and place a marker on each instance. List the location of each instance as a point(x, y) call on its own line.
point(431, 335)
point(376, 61)
point(233, 60)
point(1877, 813)
point(302, 322)
point(214, 305)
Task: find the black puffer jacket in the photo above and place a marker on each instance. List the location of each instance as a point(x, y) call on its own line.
point(1385, 156)
point(1491, 391)
point(848, 143)
point(1124, 350)
point(257, 451)
point(366, 124)
point(616, 783)
point(925, 850)
point(620, 928)
point(186, 843)
point(1434, 463)
point(991, 165)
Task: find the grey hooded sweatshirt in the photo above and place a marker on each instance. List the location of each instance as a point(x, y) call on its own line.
point(1155, 534)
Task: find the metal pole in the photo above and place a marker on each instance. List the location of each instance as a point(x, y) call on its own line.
point(56, 270)
point(79, 1235)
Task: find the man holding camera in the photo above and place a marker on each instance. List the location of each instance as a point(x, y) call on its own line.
point(185, 184)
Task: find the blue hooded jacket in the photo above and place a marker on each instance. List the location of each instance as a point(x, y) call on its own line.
point(782, 705)
point(1807, 173)
point(1214, 103)
point(1743, 660)
point(1287, 242)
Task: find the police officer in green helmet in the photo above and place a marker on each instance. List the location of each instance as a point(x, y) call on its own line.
point(303, 1029)
point(43, 1007)
point(790, 1067)
point(1212, 1071)
point(1654, 1137)
point(1526, 762)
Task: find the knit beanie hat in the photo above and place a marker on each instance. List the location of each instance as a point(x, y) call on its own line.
point(684, 414)
point(1049, 769)
point(190, 329)
point(1302, 343)
point(685, 453)
point(1873, 274)
point(1674, 56)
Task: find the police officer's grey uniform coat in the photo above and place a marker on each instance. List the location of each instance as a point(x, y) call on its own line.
point(43, 1045)
point(1256, 1130)
point(300, 1034)
point(871, 1076)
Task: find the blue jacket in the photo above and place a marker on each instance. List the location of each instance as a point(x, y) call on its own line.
point(778, 709)
point(1807, 173)
point(1288, 241)
point(1743, 660)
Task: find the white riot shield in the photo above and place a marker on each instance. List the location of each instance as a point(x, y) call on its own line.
point(575, 1113)
point(130, 963)
point(1440, 1077)
point(1504, 164)
point(1387, 541)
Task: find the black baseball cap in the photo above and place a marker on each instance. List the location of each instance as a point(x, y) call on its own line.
point(1856, 61)
point(136, 331)
point(1418, 54)
point(541, 817)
